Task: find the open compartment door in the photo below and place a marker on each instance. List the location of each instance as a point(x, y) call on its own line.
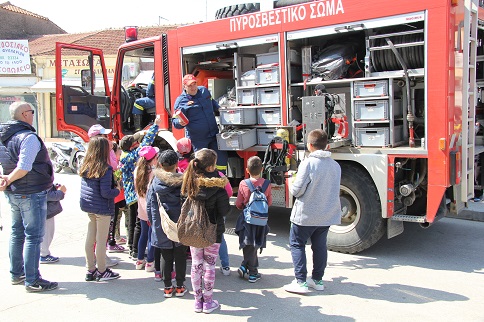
point(82, 89)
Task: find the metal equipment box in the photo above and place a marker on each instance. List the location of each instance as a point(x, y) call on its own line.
point(238, 116)
point(377, 110)
point(267, 58)
point(378, 136)
point(248, 78)
point(268, 75)
point(246, 96)
point(265, 136)
point(269, 115)
point(371, 88)
point(239, 139)
point(268, 96)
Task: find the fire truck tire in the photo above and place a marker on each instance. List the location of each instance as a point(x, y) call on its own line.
point(237, 9)
point(362, 224)
point(285, 3)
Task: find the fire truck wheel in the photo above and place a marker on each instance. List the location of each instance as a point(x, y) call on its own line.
point(285, 3)
point(237, 10)
point(362, 224)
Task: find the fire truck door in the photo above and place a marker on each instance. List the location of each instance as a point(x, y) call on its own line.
point(82, 90)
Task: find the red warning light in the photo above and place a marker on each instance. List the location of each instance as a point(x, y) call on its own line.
point(130, 34)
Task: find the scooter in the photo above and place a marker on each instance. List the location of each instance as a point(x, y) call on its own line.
point(67, 157)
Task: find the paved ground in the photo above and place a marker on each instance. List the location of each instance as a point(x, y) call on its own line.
point(435, 274)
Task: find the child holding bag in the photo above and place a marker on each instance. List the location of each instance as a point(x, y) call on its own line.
point(165, 192)
point(97, 199)
point(201, 181)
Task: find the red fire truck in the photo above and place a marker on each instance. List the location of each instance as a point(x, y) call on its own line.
point(396, 86)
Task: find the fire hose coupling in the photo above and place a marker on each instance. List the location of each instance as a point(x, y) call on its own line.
point(406, 189)
point(410, 117)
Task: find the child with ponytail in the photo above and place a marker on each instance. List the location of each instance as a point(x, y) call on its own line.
point(201, 181)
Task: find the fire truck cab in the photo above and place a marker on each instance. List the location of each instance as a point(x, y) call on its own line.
point(395, 87)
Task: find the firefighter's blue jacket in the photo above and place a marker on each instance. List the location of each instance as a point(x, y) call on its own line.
point(148, 102)
point(199, 110)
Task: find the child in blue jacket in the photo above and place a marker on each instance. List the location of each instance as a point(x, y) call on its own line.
point(130, 146)
point(98, 190)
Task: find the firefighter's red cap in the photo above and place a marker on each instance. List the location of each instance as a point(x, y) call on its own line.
point(188, 79)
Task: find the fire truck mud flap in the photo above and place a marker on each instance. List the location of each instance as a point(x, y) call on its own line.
point(362, 224)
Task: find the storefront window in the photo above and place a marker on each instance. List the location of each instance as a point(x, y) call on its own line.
point(6, 100)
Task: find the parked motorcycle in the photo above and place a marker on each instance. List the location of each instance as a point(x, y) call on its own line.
point(67, 157)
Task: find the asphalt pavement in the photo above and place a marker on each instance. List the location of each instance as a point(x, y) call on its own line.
point(434, 274)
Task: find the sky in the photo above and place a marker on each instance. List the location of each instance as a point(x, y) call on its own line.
point(91, 15)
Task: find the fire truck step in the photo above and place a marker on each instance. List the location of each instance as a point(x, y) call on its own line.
point(408, 218)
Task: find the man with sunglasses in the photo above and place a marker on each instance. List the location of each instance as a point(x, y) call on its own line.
point(27, 177)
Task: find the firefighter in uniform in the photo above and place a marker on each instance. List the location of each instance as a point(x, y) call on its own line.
point(142, 105)
point(196, 110)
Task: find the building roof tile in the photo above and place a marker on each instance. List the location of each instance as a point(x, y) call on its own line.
point(107, 40)
point(10, 7)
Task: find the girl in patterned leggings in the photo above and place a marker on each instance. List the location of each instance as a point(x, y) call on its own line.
point(201, 181)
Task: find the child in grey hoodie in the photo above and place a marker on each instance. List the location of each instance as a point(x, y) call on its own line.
point(317, 206)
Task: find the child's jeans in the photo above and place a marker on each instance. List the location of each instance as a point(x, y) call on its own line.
point(298, 236)
point(145, 240)
point(223, 253)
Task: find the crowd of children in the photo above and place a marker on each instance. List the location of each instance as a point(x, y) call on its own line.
point(151, 180)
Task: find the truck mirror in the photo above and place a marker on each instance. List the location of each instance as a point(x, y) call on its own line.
point(88, 80)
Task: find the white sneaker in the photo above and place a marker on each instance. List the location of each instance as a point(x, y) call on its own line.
point(111, 262)
point(225, 270)
point(317, 285)
point(150, 267)
point(297, 287)
point(140, 264)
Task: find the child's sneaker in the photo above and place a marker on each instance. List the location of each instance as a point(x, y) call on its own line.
point(91, 275)
point(16, 280)
point(110, 262)
point(297, 287)
point(198, 306)
point(158, 276)
point(173, 276)
point(168, 292)
point(49, 259)
point(140, 264)
point(180, 291)
point(107, 275)
point(242, 271)
point(133, 256)
point(115, 248)
point(314, 284)
point(254, 278)
point(150, 267)
point(210, 307)
point(121, 241)
point(225, 270)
